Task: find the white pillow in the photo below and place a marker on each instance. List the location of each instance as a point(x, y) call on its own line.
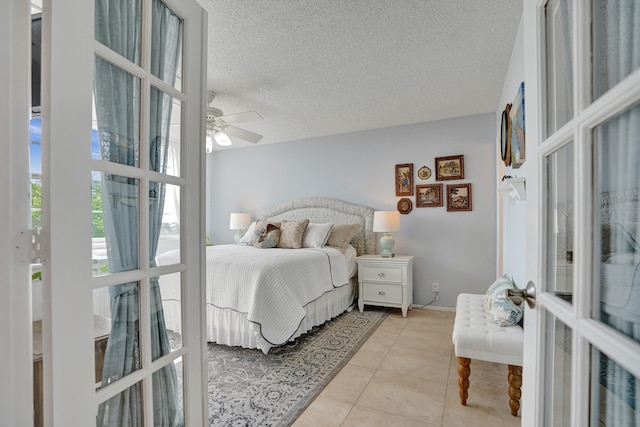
point(250, 236)
point(316, 235)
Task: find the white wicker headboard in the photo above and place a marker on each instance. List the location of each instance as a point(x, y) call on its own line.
point(323, 210)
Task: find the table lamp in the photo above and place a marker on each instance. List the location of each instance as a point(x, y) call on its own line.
point(386, 222)
point(239, 222)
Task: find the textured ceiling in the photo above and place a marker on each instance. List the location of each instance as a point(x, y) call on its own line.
point(324, 67)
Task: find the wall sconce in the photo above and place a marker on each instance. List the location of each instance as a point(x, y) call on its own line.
point(239, 222)
point(515, 187)
point(386, 222)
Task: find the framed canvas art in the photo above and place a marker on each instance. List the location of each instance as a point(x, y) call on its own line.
point(518, 147)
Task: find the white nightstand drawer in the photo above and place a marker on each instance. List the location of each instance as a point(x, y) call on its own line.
point(373, 273)
point(375, 292)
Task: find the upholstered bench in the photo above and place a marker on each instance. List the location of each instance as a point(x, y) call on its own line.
point(476, 336)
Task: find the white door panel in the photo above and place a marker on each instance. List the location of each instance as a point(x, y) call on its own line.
point(82, 268)
point(582, 351)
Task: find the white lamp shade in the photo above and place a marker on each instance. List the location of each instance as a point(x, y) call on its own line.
point(239, 221)
point(386, 221)
point(222, 138)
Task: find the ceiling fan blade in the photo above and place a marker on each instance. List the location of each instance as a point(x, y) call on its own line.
point(243, 134)
point(247, 116)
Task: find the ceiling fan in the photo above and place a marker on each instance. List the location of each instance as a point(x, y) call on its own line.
point(219, 126)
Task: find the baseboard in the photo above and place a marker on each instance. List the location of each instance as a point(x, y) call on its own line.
point(429, 307)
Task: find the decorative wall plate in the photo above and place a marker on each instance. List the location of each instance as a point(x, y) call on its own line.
point(405, 206)
point(424, 172)
point(505, 136)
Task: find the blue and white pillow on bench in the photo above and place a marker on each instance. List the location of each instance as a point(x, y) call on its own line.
point(504, 312)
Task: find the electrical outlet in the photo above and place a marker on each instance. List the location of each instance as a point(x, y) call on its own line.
point(435, 287)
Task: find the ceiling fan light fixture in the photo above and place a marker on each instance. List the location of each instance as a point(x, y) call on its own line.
point(222, 139)
point(208, 147)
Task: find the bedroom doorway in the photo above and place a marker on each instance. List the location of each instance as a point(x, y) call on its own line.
point(582, 340)
point(120, 100)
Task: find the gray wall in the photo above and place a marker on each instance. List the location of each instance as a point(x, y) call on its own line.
point(455, 249)
point(513, 213)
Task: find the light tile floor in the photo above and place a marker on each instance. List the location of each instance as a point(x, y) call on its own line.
point(406, 375)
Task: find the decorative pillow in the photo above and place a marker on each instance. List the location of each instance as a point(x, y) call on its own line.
point(250, 236)
point(316, 235)
point(292, 233)
point(269, 236)
point(504, 312)
point(341, 235)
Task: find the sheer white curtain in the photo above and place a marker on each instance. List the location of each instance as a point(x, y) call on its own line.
point(117, 95)
point(616, 55)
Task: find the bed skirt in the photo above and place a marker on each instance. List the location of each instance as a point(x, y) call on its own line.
point(228, 327)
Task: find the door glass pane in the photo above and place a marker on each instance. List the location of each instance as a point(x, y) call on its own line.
point(126, 406)
point(616, 250)
point(616, 45)
point(117, 113)
point(115, 236)
point(164, 214)
point(558, 18)
point(558, 360)
point(166, 49)
point(171, 298)
point(118, 25)
point(117, 332)
point(168, 412)
point(165, 133)
point(560, 167)
point(615, 400)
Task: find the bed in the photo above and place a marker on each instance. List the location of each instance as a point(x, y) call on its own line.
point(263, 298)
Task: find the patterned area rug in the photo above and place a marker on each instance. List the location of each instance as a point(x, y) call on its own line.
point(249, 388)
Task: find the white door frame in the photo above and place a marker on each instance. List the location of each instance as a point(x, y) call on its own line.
point(531, 394)
point(16, 366)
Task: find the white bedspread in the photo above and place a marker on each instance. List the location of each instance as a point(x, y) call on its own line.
point(271, 286)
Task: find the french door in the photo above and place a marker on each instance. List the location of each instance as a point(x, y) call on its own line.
point(582, 339)
point(122, 158)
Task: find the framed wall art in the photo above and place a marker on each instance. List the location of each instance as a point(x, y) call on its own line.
point(424, 172)
point(458, 197)
point(518, 147)
point(429, 195)
point(449, 168)
point(404, 179)
point(405, 206)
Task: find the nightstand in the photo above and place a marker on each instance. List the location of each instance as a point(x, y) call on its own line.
point(386, 282)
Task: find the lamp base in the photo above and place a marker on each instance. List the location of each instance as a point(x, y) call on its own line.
point(386, 243)
point(238, 235)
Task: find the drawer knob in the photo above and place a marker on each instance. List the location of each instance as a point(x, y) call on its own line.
point(380, 274)
point(381, 293)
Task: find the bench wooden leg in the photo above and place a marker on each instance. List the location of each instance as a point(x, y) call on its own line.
point(515, 382)
point(463, 378)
